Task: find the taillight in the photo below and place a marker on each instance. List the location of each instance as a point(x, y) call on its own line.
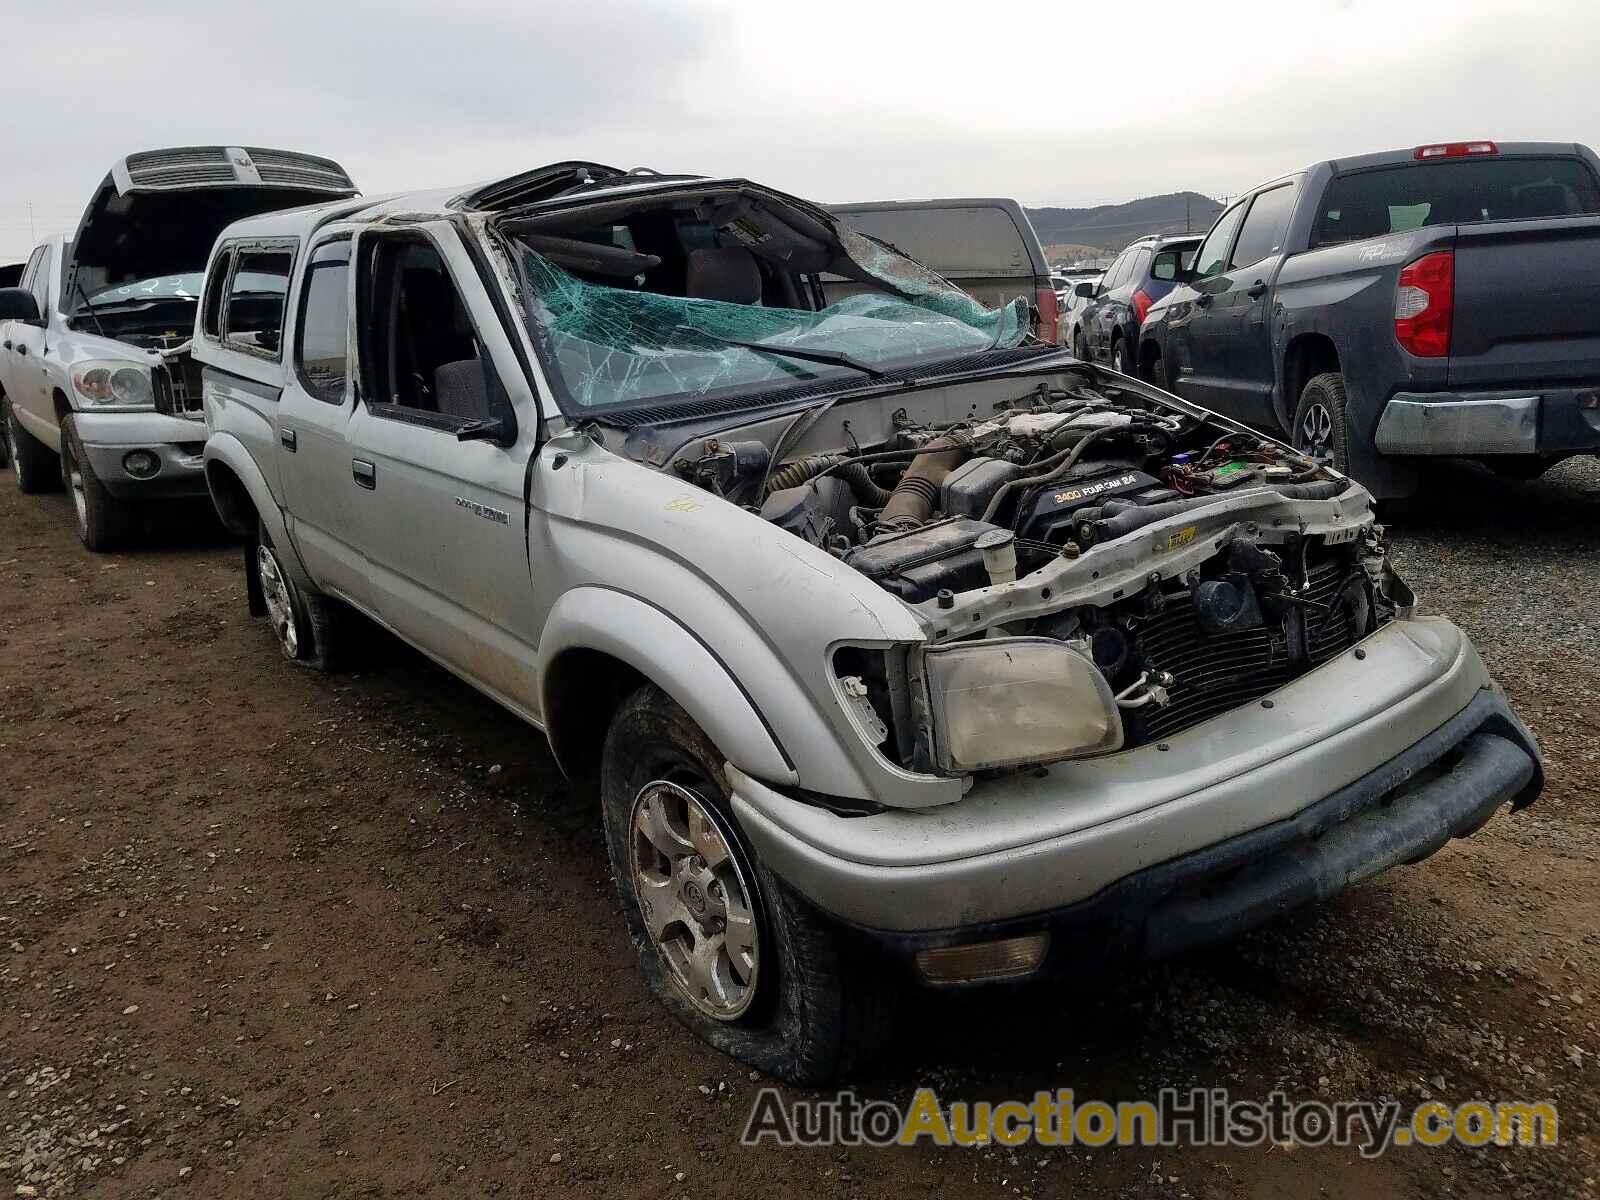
point(1141, 305)
point(1455, 150)
point(1049, 314)
point(1424, 304)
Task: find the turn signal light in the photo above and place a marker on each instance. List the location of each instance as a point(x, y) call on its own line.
point(979, 962)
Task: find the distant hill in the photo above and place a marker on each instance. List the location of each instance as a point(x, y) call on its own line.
point(1113, 226)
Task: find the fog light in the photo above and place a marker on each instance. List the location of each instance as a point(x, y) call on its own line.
point(1007, 958)
point(141, 464)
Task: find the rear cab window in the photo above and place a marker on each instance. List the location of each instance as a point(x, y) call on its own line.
point(1365, 204)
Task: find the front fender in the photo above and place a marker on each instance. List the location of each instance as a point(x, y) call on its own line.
point(225, 452)
point(660, 648)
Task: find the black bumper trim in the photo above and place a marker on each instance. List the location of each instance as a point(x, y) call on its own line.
point(1468, 767)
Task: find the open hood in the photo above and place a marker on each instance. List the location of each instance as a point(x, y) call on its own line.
point(158, 212)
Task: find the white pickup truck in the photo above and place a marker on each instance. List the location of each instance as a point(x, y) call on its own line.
point(94, 344)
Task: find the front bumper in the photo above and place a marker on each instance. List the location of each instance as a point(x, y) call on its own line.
point(177, 444)
point(1543, 421)
point(1153, 850)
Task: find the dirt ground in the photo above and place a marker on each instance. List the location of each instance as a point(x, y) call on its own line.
point(266, 933)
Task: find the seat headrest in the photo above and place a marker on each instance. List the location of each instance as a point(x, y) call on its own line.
point(727, 273)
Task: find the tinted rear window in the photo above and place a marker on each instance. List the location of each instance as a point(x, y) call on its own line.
point(1393, 199)
point(951, 241)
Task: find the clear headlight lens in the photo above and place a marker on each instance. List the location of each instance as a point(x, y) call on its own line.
point(114, 385)
point(1007, 701)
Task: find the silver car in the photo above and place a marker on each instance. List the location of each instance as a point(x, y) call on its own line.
point(897, 647)
point(97, 389)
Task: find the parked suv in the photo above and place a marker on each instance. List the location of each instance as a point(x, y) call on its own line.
point(1440, 300)
point(94, 343)
point(987, 247)
point(1115, 306)
point(897, 646)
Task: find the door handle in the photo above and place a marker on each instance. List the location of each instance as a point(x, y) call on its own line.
point(364, 473)
point(1256, 289)
point(1203, 300)
point(289, 439)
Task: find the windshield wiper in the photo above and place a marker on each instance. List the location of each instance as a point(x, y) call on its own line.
point(77, 282)
point(837, 358)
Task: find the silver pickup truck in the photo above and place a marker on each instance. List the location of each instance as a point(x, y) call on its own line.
point(897, 645)
point(97, 389)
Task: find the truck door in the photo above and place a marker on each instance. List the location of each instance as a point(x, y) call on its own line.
point(1196, 328)
point(442, 518)
point(1240, 320)
point(315, 411)
point(26, 382)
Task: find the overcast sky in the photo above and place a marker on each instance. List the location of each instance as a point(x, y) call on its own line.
point(835, 101)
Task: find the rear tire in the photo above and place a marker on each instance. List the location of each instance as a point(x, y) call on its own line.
point(31, 461)
point(785, 995)
point(302, 623)
point(1320, 428)
point(104, 523)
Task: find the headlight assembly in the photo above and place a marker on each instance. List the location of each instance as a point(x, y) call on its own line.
point(114, 385)
point(1002, 702)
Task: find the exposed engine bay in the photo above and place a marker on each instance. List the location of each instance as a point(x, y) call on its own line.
point(975, 520)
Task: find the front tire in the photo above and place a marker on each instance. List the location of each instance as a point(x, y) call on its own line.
point(1156, 371)
point(1119, 356)
point(104, 523)
point(31, 461)
point(1321, 429)
point(727, 948)
point(1080, 348)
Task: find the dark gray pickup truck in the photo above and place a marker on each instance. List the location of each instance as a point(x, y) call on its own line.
point(1442, 300)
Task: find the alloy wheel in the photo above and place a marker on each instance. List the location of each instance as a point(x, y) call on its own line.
point(12, 446)
point(280, 609)
point(695, 897)
point(1316, 433)
point(80, 498)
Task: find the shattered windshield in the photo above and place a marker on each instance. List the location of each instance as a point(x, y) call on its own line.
point(619, 345)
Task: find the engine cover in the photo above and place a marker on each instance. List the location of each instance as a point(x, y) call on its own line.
point(1047, 516)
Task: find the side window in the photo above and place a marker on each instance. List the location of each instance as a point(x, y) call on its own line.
point(1167, 265)
point(33, 266)
point(252, 318)
point(1213, 252)
point(1113, 275)
point(216, 282)
point(1137, 266)
point(1263, 230)
point(41, 282)
point(419, 350)
point(321, 353)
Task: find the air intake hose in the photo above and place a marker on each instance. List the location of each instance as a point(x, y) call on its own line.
point(917, 494)
point(854, 474)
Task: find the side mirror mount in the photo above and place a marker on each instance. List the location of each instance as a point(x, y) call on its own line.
point(1085, 289)
point(501, 432)
point(18, 304)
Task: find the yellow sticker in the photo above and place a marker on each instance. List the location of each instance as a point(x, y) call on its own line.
point(1178, 540)
point(684, 504)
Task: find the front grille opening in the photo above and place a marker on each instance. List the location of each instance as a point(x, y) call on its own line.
point(1215, 673)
